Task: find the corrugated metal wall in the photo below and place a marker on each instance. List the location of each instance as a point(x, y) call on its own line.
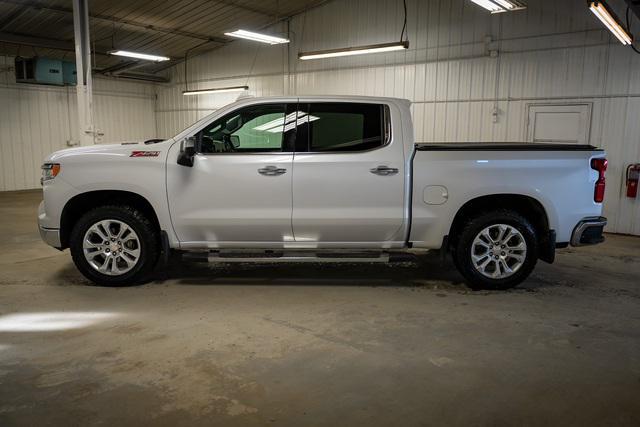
point(36, 120)
point(553, 52)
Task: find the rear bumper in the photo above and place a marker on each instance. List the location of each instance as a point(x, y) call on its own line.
point(589, 231)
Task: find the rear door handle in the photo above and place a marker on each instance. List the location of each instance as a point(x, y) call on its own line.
point(384, 171)
point(271, 171)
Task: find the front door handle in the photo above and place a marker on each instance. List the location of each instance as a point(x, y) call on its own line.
point(271, 171)
point(384, 171)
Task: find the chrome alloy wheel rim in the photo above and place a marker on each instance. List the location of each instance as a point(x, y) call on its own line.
point(498, 251)
point(111, 247)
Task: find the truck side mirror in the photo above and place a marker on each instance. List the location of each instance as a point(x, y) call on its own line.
point(187, 151)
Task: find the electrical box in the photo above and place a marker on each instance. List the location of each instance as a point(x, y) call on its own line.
point(49, 71)
point(39, 71)
point(69, 75)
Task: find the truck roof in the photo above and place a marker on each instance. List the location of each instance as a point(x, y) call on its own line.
point(350, 98)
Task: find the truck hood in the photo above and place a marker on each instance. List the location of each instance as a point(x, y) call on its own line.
point(121, 149)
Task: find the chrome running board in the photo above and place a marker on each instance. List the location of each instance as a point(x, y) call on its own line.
point(268, 256)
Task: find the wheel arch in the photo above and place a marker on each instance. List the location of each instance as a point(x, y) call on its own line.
point(84, 202)
point(526, 206)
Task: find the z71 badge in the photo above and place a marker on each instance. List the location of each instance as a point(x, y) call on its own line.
point(144, 154)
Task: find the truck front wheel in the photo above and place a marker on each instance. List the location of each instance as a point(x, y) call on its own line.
point(114, 245)
point(496, 250)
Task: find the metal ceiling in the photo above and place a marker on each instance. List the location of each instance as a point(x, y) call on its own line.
point(164, 27)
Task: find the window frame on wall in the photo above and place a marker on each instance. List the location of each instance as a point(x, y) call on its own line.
point(584, 109)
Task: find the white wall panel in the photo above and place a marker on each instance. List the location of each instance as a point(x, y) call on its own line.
point(552, 52)
point(36, 120)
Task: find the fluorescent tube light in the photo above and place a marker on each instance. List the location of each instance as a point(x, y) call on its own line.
point(137, 55)
point(262, 38)
point(359, 50)
point(216, 90)
point(498, 6)
point(610, 21)
point(488, 4)
point(505, 4)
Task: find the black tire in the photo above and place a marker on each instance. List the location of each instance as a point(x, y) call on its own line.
point(462, 250)
point(148, 237)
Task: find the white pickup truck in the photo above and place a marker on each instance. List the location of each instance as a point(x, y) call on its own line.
point(319, 179)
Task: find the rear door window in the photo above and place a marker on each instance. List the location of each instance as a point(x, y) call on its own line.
point(341, 127)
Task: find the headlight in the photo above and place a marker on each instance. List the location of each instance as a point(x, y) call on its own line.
point(49, 171)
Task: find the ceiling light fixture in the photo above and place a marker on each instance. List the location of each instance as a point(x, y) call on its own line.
point(610, 20)
point(216, 90)
point(403, 44)
point(358, 50)
point(137, 55)
point(257, 37)
point(499, 6)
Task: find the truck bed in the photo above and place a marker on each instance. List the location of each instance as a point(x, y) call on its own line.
point(509, 146)
point(558, 177)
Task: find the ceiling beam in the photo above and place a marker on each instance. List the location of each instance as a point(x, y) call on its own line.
point(120, 66)
point(12, 16)
point(115, 20)
point(141, 76)
point(253, 9)
point(25, 40)
point(126, 68)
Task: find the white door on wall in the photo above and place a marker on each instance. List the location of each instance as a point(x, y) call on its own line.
point(559, 123)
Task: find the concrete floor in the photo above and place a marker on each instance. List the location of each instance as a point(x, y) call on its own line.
point(339, 345)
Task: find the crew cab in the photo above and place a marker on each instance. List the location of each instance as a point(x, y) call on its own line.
point(319, 178)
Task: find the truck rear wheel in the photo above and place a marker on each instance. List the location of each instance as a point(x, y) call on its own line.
point(496, 250)
point(114, 245)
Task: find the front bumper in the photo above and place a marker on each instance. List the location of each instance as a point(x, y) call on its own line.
point(589, 231)
point(51, 236)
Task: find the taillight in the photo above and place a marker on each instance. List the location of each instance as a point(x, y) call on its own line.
point(599, 165)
